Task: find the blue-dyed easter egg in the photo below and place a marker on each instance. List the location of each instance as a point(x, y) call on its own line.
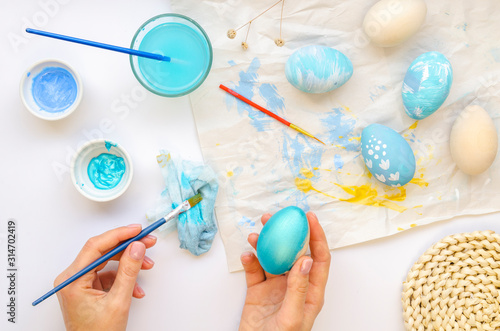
point(283, 239)
point(318, 69)
point(427, 84)
point(387, 155)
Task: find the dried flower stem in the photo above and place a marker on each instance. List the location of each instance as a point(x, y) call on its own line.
point(256, 17)
point(281, 18)
point(248, 30)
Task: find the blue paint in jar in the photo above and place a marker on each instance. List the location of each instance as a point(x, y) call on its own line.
point(54, 89)
point(106, 171)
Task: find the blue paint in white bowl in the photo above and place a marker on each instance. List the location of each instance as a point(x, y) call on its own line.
point(51, 89)
point(283, 239)
point(387, 155)
point(426, 85)
point(106, 170)
point(101, 170)
point(318, 69)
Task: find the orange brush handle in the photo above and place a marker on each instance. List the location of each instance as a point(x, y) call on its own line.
point(264, 110)
point(253, 104)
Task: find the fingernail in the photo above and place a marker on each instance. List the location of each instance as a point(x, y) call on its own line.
point(245, 256)
point(312, 214)
point(149, 260)
point(306, 266)
point(134, 226)
point(137, 250)
point(140, 290)
point(150, 236)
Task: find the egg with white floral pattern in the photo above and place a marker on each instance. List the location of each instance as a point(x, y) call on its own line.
point(387, 155)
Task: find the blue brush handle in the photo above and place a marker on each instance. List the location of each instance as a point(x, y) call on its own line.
point(102, 259)
point(100, 45)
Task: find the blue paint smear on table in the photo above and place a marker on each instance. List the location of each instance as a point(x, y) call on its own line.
point(106, 171)
point(54, 89)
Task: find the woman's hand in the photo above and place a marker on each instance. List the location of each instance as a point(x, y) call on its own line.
point(101, 300)
point(291, 301)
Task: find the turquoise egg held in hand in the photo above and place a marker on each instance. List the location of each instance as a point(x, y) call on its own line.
point(318, 69)
point(426, 85)
point(387, 155)
point(283, 240)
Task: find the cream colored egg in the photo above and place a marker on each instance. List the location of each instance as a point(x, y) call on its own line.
point(473, 140)
point(390, 22)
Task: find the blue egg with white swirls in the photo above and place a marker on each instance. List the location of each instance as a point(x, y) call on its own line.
point(318, 69)
point(283, 239)
point(426, 84)
point(387, 155)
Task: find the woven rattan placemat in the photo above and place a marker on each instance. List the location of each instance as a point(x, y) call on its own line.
point(455, 285)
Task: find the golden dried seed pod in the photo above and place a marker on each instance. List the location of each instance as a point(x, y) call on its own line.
point(231, 33)
point(279, 42)
point(244, 45)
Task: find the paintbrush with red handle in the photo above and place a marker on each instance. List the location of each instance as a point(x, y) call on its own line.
point(264, 110)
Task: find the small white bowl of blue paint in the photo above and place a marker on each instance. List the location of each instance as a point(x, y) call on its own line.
point(51, 89)
point(101, 170)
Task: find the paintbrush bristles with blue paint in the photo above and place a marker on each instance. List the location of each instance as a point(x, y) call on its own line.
point(185, 206)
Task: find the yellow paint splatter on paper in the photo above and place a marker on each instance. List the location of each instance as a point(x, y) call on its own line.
point(362, 195)
point(419, 181)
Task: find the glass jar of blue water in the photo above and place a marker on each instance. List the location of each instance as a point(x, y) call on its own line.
point(187, 45)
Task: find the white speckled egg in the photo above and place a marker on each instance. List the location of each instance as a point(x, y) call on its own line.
point(318, 69)
point(390, 22)
point(426, 84)
point(283, 239)
point(473, 140)
point(387, 155)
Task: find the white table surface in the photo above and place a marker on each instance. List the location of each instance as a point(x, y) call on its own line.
point(183, 292)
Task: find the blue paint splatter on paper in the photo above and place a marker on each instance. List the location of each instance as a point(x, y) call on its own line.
point(377, 91)
point(341, 129)
point(246, 222)
point(299, 152)
point(463, 27)
point(339, 164)
point(246, 86)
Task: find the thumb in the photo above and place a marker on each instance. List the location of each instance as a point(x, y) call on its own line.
point(297, 286)
point(128, 269)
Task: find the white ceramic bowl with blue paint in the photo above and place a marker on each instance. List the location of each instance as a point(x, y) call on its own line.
point(318, 69)
point(101, 170)
point(387, 155)
point(51, 89)
point(283, 240)
point(426, 85)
